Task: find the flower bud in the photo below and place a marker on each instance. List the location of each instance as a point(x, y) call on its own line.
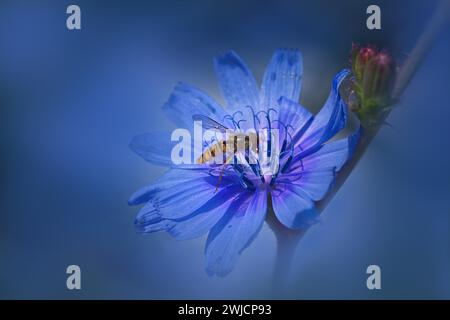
point(359, 58)
point(374, 75)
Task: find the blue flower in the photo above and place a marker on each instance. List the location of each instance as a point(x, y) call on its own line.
point(188, 202)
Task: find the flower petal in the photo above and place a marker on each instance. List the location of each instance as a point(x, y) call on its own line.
point(333, 154)
point(293, 114)
point(182, 199)
point(234, 232)
point(180, 192)
point(293, 207)
point(203, 219)
point(148, 220)
point(186, 101)
point(191, 226)
point(330, 155)
point(236, 82)
point(170, 179)
point(283, 78)
point(154, 147)
point(331, 118)
point(315, 173)
point(315, 184)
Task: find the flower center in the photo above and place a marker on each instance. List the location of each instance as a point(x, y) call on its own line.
point(268, 148)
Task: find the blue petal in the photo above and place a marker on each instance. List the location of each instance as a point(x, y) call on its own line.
point(331, 118)
point(315, 173)
point(330, 155)
point(234, 232)
point(181, 200)
point(283, 78)
point(293, 114)
point(170, 179)
point(180, 192)
point(314, 183)
point(203, 219)
point(186, 101)
point(191, 226)
point(153, 226)
point(154, 147)
point(148, 220)
point(293, 208)
point(141, 196)
point(236, 82)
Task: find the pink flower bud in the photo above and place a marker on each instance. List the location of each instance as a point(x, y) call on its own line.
point(374, 75)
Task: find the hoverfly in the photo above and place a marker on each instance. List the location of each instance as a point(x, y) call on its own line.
point(236, 141)
point(249, 141)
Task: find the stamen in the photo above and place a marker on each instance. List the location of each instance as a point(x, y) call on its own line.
point(266, 113)
point(254, 117)
point(235, 124)
point(290, 127)
point(291, 156)
point(269, 140)
point(256, 168)
point(242, 120)
point(245, 182)
point(232, 118)
point(237, 112)
point(239, 121)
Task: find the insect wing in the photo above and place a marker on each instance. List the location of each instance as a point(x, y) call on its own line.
point(208, 123)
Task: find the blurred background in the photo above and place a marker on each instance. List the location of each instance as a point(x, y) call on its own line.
point(72, 100)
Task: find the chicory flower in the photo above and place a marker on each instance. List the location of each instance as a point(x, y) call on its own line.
point(187, 200)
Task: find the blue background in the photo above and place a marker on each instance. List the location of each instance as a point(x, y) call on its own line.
point(72, 100)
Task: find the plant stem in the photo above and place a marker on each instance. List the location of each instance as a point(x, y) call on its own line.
point(287, 239)
point(423, 46)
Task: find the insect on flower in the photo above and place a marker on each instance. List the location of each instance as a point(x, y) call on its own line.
point(287, 159)
point(248, 141)
point(226, 151)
